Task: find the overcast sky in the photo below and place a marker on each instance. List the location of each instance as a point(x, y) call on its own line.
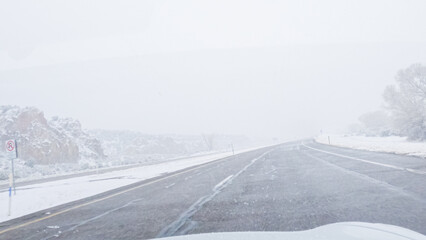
point(262, 68)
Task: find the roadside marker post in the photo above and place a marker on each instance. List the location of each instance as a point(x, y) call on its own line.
point(233, 152)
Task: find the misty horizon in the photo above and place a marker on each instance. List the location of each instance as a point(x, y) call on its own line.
point(291, 72)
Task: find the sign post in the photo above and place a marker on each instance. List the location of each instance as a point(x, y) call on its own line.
point(10, 195)
point(12, 153)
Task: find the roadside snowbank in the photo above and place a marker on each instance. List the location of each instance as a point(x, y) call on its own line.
point(49, 172)
point(36, 197)
point(398, 145)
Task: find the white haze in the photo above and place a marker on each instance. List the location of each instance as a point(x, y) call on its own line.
point(282, 69)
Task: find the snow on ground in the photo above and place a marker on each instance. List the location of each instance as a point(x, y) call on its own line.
point(393, 144)
point(36, 197)
point(39, 172)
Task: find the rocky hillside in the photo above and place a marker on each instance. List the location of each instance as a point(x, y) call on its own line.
point(60, 145)
point(60, 140)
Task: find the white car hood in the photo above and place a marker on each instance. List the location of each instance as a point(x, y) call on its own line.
point(335, 231)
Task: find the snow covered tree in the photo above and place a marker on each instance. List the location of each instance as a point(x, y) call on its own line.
point(407, 102)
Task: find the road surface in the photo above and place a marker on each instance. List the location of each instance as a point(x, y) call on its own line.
point(291, 187)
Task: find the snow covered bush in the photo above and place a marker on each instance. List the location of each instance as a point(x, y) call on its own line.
point(376, 123)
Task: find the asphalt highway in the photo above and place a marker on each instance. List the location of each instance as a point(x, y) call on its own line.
point(290, 187)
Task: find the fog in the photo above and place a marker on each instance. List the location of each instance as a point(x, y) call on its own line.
point(285, 69)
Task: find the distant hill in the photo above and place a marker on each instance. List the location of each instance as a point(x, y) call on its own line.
point(132, 146)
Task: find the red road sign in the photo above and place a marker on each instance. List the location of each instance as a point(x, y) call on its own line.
point(10, 145)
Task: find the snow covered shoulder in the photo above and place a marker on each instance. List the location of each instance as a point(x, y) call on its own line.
point(391, 144)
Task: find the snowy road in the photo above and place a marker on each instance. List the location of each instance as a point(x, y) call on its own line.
point(293, 187)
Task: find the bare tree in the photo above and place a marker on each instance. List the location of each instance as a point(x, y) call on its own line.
point(208, 140)
point(407, 102)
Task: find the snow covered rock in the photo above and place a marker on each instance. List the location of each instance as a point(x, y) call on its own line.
point(46, 142)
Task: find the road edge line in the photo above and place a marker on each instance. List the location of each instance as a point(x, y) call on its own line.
point(368, 161)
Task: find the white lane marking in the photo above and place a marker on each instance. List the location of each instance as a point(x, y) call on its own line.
point(222, 183)
point(53, 227)
point(185, 217)
point(271, 171)
point(368, 161)
point(170, 185)
point(383, 184)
